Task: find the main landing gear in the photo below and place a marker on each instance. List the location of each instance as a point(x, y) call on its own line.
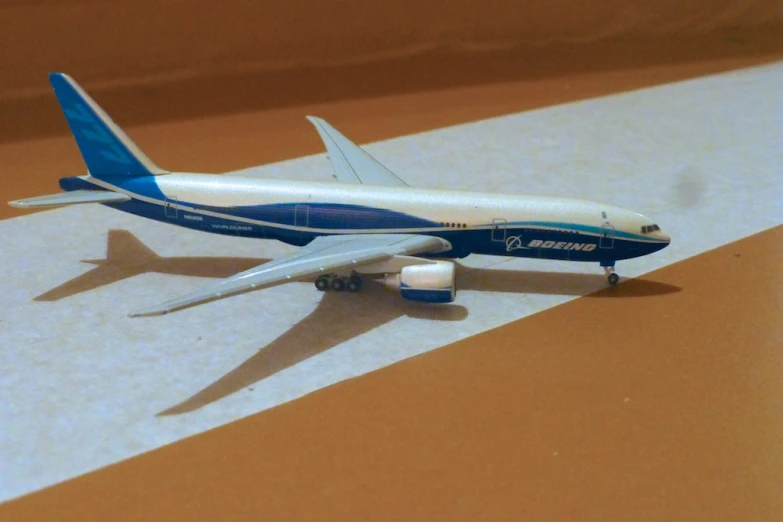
point(610, 273)
point(338, 284)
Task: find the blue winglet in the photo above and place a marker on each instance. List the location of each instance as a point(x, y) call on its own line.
point(106, 149)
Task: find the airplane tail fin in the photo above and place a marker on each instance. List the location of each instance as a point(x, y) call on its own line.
point(106, 149)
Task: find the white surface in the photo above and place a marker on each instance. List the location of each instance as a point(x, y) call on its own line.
point(83, 386)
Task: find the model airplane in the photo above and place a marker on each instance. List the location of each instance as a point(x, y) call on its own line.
point(370, 222)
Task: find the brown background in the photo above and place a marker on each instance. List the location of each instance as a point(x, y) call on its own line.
point(144, 41)
point(668, 409)
point(162, 61)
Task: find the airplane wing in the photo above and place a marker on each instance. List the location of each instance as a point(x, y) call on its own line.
point(351, 163)
point(324, 254)
point(70, 198)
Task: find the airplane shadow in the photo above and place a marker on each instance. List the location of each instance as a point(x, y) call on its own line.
point(557, 283)
point(126, 257)
point(338, 317)
point(341, 317)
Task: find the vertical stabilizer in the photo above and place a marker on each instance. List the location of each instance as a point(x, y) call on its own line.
point(106, 149)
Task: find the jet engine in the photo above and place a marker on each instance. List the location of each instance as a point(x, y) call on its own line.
point(430, 283)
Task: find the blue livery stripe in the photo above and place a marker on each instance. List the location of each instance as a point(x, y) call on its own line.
point(441, 295)
point(329, 216)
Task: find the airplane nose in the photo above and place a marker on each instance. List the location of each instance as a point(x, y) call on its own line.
point(663, 239)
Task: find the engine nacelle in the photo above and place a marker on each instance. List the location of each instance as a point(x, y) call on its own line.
point(431, 283)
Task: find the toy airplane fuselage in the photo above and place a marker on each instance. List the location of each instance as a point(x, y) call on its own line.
point(296, 212)
point(369, 222)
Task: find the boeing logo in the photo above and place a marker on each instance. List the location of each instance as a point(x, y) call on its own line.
point(515, 243)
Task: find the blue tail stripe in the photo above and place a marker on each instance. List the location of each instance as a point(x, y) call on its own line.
point(104, 152)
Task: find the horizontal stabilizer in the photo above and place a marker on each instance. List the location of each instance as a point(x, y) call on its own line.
point(70, 198)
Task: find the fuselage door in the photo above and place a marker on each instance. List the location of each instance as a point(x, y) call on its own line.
point(499, 229)
point(170, 206)
point(607, 236)
point(302, 216)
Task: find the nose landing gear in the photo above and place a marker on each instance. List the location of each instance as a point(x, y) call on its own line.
point(611, 276)
point(338, 283)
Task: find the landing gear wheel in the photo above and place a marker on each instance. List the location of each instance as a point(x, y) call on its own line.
point(338, 284)
point(322, 283)
point(354, 284)
point(609, 271)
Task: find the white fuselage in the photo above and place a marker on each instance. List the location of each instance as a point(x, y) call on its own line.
point(298, 211)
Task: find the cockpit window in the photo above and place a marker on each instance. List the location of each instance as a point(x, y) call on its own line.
point(650, 228)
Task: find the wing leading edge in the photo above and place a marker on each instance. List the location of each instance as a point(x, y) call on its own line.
point(324, 254)
point(351, 163)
